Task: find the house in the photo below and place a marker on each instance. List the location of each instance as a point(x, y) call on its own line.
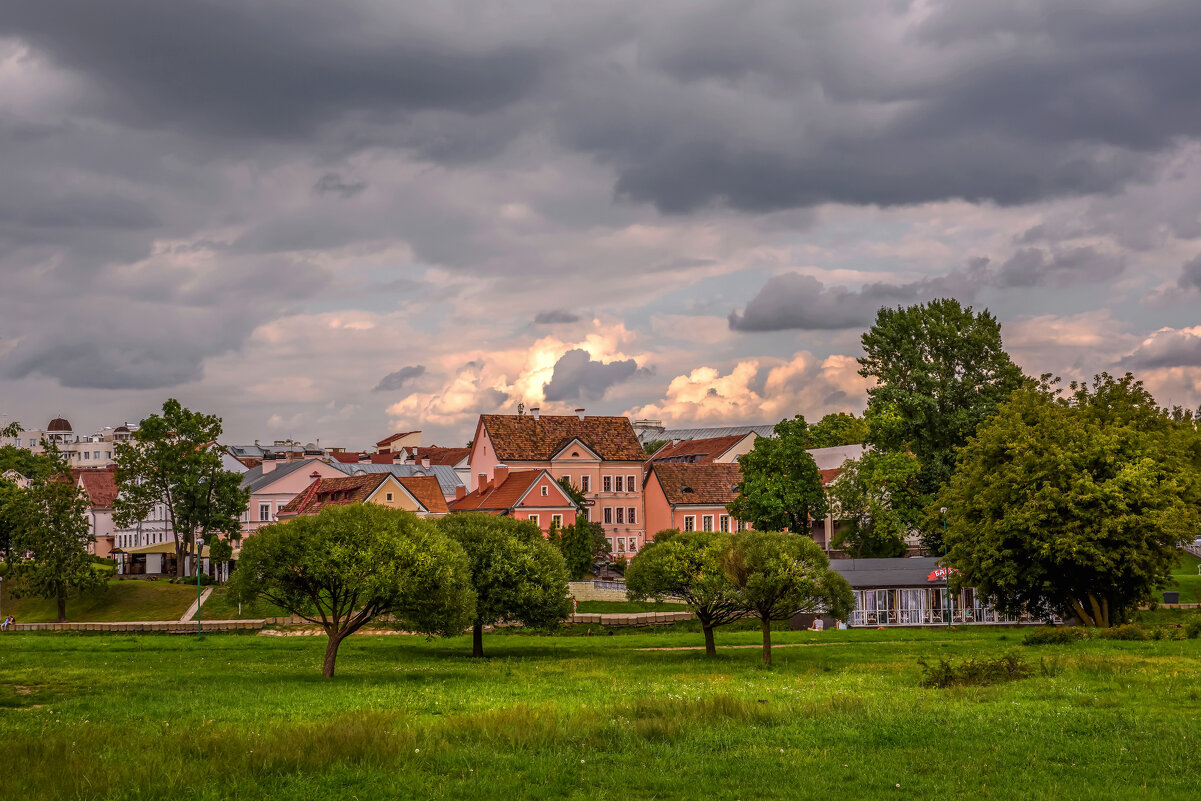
point(100, 487)
point(275, 482)
point(691, 496)
point(532, 495)
point(448, 479)
point(418, 494)
point(435, 456)
point(599, 455)
point(398, 442)
point(722, 450)
point(13, 477)
point(79, 450)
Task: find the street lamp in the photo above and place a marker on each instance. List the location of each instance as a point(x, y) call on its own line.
point(946, 568)
point(199, 545)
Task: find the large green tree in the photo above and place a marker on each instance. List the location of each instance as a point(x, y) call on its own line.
point(940, 370)
point(172, 460)
point(517, 575)
point(1072, 505)
point(838, 428)
point(777, 575)
point(781, 486)
point(877, 503)
point(688, 566)
point(582, 544)
point(349, 564)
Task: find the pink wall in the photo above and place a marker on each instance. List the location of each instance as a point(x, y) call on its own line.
point(661, 515)
point(278, 493)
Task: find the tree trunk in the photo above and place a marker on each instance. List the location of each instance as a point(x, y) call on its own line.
point(331, 654)
point(180, 555)
point(477, 640)
point(710, 646)
point(766, 625)
point(1097, 616)
point(61, 597)
point(1078, 609)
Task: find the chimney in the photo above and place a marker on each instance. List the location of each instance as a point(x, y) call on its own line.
point(579, 413)
point(268, 463)
point(534, 410)
point(481, 481)
point(460, 492)
point(500, 473)
point(425, 461)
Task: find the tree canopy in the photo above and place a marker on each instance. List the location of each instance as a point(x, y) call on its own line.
point(688, 566)
point(877, 503)
point(781, 486)
point(582, 544)
point(1073, 505)
point(838, 428)
point(940, 371)
point(516, 574)
point(171, 460)
point(345, 566)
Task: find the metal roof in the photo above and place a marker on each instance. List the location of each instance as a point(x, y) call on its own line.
point(255, 479)
point(652, 434)
point(448, 479)
point(899, 572)
point(831, 458)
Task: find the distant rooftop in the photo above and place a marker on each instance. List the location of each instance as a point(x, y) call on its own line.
point(646, 435)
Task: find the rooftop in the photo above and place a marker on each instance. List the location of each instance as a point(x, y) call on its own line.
point(528, 438)
point(710, 484)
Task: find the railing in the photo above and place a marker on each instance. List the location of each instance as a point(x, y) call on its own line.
point(609, 585)
point(1195, 550)
point(933, 617)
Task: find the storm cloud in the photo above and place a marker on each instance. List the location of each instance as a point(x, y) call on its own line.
point(578, 377)
point(395, 381)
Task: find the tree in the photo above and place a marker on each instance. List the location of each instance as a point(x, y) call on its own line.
point(220, 551)
point(1073, 505)
point(877, 503)
point(53, 530)
point(940, 371)
point(655, 444)
point(349, 564)
point(516, 574)
point(582, 544)
point(11, 430)
point(781, 486)
point(778, 575)
point(837, 429)
point(171, 461)
point(687, 566)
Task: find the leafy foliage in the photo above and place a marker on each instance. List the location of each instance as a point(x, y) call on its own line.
point(838, 428)
point(583, 545)
point(654, 445)
point(1074, 505)
point(781, 486)
point(516, 574)
point(345, 566)
point(973, 672)
point(688, 566)
point(171, 461)
point(877, 503)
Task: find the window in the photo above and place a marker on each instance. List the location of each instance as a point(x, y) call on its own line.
point(608, 514)
point(586, 483)
point(610, 541)
point(621, 544)
point(617, 482)
point(689, 523)
point(606, 484)
point(545, 490)
point(389, 495)
point(556, 521)
point(587, 513)
point(108, 454)
point(621, 515)
point(264, 511)
point(632, 545)
point(534, 520)
point(740, 525)
point(707, 523)
point(96, 455)
point(630, 484)
point(632, 516)
point(724, 522)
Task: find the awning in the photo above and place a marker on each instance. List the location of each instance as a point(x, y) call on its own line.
point(158, 547)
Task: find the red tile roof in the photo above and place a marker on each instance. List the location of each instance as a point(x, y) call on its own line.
point(357, 489)
point(710, 484)
point(346, 457)
point(523, 438)
point(99, 484)
point(383, 458)
point(427, 492)
point(697, 450)
point(829, 475)
point(504, 496)
point(393, 438)
point(441, 456)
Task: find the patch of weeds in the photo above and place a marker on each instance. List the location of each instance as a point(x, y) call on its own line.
point(972, 672)
point(1055, 636)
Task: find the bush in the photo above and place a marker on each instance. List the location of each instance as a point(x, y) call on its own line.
point(205, 580)
point(1056, 636)
point(1193, 629)
point(972, 672)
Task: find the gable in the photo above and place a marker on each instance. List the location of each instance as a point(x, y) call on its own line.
point(555, 497)
point(524, 438)
point(576, 450)
point(401, 497)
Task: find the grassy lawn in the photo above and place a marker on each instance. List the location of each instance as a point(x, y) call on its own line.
point(622, 607)
point(220, 606)
point(840, 715)
point(117, 601)
point(1188, 582)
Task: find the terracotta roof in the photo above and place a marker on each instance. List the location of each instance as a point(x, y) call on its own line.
point(523, 438)
point(99, 484)
point(249, 462)
point(829, 475)
point(697, 450)
point(59, 424)
point(684, 483)
point(393, 438)
point(383, 458)
point(427, 491)
point(439, 455)
point(346, 457)
point(333, 491)
point(505, 495)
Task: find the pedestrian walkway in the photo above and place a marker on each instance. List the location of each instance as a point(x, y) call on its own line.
point(191, 613)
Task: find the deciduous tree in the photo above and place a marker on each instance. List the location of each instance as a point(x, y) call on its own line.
point(781, 486)
point(688, 566)
point(877, 503)
point(517, 575)
point(838, 428)
point(778, 575)
point(349, 564)
point(582, 544)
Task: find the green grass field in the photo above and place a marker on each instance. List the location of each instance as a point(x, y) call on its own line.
point(1188, 581)
point(117, 601)
point(840, 715)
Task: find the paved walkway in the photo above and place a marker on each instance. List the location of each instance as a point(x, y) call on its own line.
point(191, 613)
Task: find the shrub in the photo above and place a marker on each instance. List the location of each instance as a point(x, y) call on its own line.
point(1056, 636)
point(1193, 629)
point(972, 672)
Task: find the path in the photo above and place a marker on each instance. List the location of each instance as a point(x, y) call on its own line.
point(195, 607)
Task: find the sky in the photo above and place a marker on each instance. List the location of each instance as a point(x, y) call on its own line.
point(337, 220)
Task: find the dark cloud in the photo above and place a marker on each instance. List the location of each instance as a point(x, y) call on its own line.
point(394, 381)
point(1168, 348)
point(578, 377)
point(1039, 267)
point(331, 182)
point(1190, 274)
point(555, 317)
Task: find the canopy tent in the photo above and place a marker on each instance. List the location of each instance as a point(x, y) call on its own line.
point(158, 547)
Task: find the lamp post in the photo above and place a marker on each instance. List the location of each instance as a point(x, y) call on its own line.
point(199, 545)
point(946, 568)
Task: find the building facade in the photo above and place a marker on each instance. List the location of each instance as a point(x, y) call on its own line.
point(532, 495)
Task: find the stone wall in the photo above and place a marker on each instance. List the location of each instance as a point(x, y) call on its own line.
point(588, 591)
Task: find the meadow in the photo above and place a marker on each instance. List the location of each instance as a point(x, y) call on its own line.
point(589, 714)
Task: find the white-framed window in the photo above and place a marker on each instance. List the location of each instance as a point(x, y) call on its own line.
point(608, 514)
point(96, 455)
point(689, 523)
point(707, 522)
point(740, 525)
point(632, 545)
point(108, 454)
point(534, 520)
point(264, 512)
point(621, 544)
point(586, 483)
point(610, 541)
point(545, 490)
point(556, 521)
point(724, 522)
point(630, 484)
point(606, 484)
point(632, 515)
point(621, 515)
point(617, 484)
point(587, 513)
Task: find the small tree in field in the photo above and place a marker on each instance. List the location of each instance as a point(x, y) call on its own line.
point(777, 575)
point(349, 564)
point(687, 566)
point(517, 575)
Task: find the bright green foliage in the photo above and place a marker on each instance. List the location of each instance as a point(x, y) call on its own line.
point(582, 544)
point(940, 372)
point(32, 465)
point(11, 430)
point(351, 563)
point(687, 566)
point(877, 503)
point(171, 460)
point(575, 493)
point(838, 428)
point(1074, 506)
point(776, 575)
point(220, 550)
point(781, 486)
point(654, 445)
point(517, 575)
point(52, 526)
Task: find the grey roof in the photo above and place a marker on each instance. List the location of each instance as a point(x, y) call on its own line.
point(899, 572)
point(830, 458)
point(448, 479)
point(653, 434)
point(254, 479)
